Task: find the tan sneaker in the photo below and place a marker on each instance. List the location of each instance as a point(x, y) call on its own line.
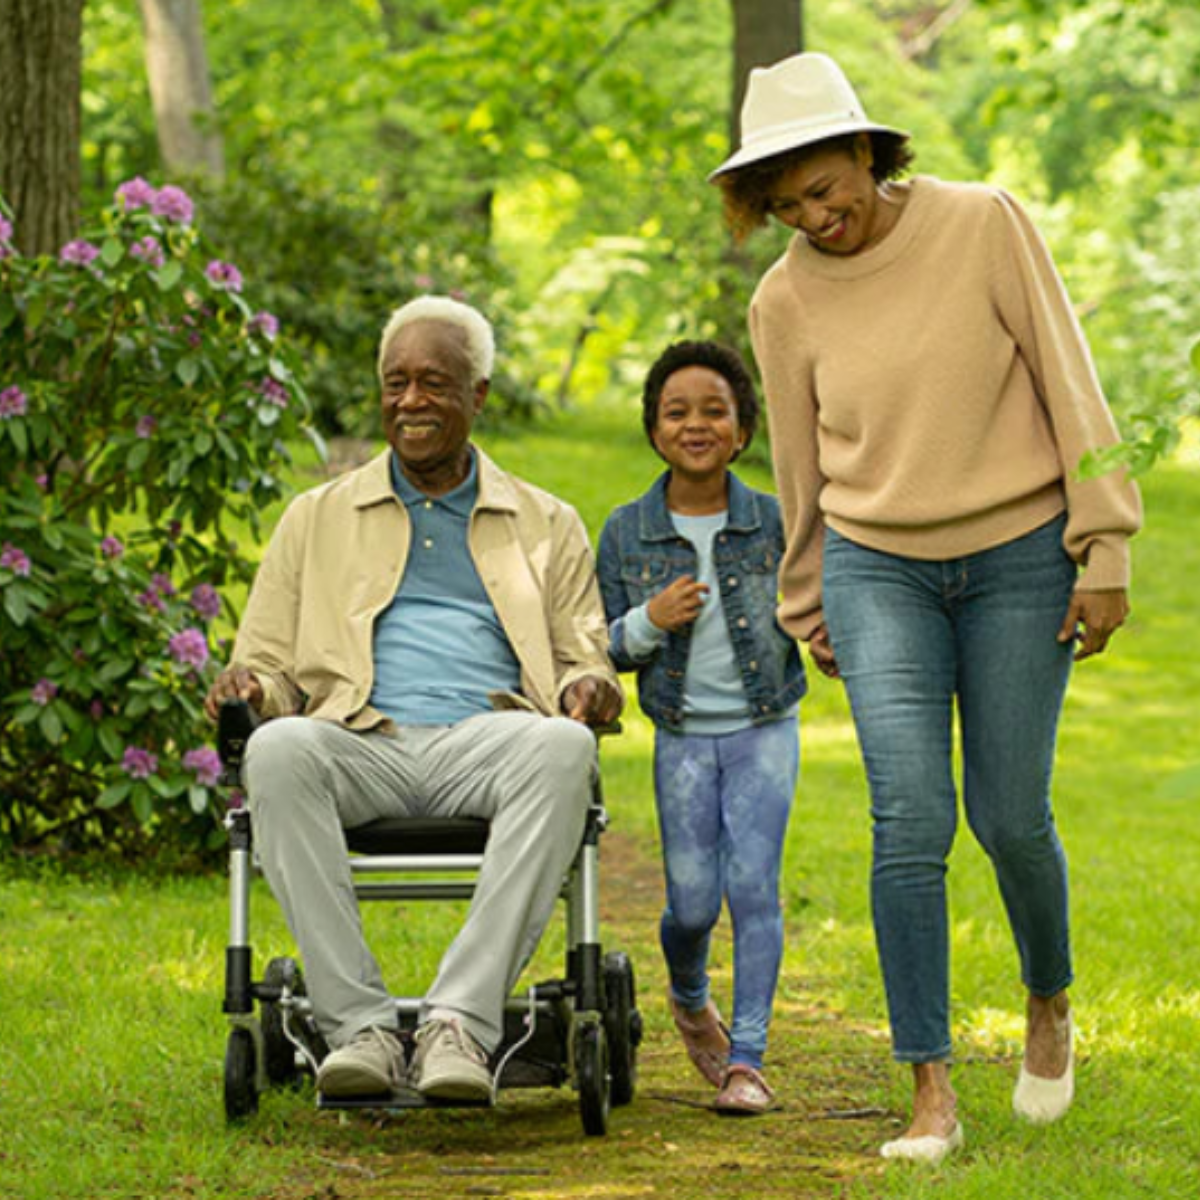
point(450, 1064)
point(372, 1064)
point(706, 1039)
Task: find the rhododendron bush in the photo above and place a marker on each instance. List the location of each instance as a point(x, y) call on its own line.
point(145, 406)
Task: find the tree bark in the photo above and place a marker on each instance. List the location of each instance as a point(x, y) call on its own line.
point(764, 31)
point(189, 139)
point(40, 70)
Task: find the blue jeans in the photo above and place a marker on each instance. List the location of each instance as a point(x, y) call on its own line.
point(911, 638)
point(723, 806)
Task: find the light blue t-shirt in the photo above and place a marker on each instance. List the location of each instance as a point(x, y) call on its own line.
point(714, 699)
point(439, 647)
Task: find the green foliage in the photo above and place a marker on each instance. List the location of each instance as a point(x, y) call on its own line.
point(144, 405)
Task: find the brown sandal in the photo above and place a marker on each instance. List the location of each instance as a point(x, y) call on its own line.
point(744, 1093)
point(706, 1039)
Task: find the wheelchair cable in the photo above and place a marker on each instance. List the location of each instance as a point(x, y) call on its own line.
point(531, 1024)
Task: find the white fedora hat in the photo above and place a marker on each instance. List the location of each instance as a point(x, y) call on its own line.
point(801, 100)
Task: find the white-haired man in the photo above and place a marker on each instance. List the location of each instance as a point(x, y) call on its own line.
point(427, 637)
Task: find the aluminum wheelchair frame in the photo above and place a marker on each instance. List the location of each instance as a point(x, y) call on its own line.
point(583, 1029)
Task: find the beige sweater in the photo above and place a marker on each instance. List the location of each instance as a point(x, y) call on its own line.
point(933, 396)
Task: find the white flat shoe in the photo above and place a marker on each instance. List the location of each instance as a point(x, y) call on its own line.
point(929, 1149)
point(1044, 1100)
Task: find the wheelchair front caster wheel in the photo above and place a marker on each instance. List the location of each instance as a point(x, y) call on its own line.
point(591, 1077)
point(241, 1091)
point(623, 1026)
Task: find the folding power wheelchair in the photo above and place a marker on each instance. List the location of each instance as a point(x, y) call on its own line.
point(583, 1029)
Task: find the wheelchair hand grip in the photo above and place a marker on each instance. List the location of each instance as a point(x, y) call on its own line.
point(236, 721)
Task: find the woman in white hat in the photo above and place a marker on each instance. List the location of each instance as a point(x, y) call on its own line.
point(930, 396)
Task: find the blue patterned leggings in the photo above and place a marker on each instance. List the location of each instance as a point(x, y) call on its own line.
point(723, 806)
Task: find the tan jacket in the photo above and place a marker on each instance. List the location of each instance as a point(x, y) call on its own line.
point(338, 555)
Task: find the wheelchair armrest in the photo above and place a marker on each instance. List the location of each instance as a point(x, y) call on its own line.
point(236, 721)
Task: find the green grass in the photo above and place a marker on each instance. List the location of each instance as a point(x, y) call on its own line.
point(110, 981)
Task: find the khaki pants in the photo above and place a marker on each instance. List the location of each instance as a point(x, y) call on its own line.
point(530, 776)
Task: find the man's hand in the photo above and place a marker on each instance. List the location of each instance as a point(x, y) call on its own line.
point(592, 700)
point(233, 683)
point(821, 651)
point(678, 604)
point(1093, 618)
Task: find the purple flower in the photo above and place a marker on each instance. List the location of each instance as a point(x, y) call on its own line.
point(162, 584)
point(273, 392)
point(265, 323)
point(189, 648)
point(15, 559)
point(43, 691)
point(150, 251)
point(146, 426)
point(224, 275)
point(6, 229)
point(135, 193)
point(111, 547)
point(206, 600)
point(139, 763)
point(13, 403)
point(151, 599)
point(206, 763)
point(79, 252)
point(42, 480)
point(172, 203)
point(424, 282)
point(96, 708)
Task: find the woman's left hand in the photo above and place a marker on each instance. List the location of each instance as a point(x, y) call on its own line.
point(1092, 618)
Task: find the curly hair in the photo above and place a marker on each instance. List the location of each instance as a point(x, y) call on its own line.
point(724, 361)
point(746, 192)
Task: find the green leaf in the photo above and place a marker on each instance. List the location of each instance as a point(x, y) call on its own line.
point(203, 442)
point(110, 740)
point(143, 804)
point(138, 453)
point(115, 669)
point(19, 435)
point(50, 725)
point(114, 794)
point(1195, 355)
point(112, 252)
point(198, 798)
point(8, 310)
point(188, 369)
point(35, 312)
point(16, 605)
point(169, 276)
point(52, 536)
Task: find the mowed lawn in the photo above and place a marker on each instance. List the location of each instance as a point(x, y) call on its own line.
point(110, 980)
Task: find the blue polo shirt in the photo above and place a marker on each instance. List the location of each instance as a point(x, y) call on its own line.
point(439, 647)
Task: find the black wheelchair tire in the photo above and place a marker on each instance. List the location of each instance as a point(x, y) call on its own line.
point(623, 1025)
point(591, 1077)
point(241, 1090)
point(278, 1051)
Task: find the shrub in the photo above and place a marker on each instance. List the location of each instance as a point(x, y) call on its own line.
point(145, 407)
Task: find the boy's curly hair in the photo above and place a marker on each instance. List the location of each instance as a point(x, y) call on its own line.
point(725, 361)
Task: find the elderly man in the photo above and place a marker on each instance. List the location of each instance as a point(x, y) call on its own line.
point(426, 634)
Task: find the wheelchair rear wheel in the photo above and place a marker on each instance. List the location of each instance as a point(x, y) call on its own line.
point(591, 1077)
point(241, 1090)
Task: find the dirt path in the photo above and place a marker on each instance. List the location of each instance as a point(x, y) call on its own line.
point(668, 1143)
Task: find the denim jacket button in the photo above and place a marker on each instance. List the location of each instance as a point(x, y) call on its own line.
point(754, 664)
point(742, 622)
point(732, 581)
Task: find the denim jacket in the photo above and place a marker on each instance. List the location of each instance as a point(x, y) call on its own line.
point(640, 553)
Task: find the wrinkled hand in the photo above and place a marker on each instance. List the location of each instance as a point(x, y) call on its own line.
point(821, 651)
point(592, 700)
point(678, 604)
point(233, 683)
point(1092, 618)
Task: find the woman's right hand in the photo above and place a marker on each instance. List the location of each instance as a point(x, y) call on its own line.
point(678, 604)
point(821, 652)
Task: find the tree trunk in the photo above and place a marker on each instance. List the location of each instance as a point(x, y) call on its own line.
point(764, 31)
point(189, 139)
point(40, 65)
